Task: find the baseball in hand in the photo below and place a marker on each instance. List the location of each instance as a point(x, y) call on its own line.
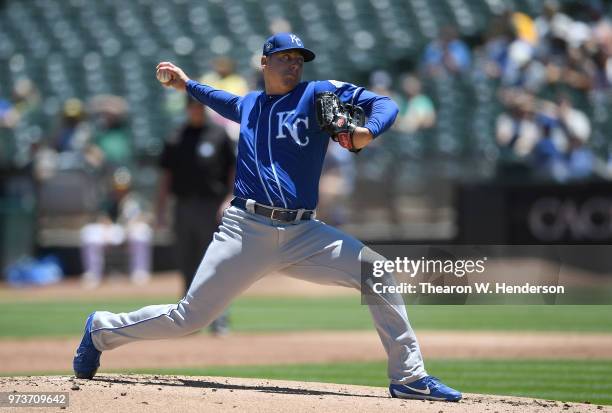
point(164, 76)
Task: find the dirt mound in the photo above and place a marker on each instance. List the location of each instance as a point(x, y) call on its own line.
point(217, 394)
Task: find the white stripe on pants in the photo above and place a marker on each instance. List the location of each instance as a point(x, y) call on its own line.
point(246, 248)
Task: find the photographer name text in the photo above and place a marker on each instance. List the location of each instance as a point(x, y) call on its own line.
point(476, 288)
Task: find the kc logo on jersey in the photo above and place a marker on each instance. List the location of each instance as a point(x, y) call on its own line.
point(292, 128)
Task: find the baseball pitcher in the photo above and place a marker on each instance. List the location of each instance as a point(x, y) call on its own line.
point(271, 225)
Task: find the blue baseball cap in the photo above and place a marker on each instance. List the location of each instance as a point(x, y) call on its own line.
point(286, 41)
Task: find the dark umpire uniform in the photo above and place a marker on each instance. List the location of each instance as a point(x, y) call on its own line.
point(198, 164)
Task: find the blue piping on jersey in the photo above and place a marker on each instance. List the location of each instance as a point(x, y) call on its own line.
point(257, 161)
point(280, 189)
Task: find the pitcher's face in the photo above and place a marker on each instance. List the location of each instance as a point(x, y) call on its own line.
point(282, 70)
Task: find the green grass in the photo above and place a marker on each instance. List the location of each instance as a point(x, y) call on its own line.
point(566, 380)
point(261, 314)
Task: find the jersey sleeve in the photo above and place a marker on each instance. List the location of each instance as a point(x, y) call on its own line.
point(380, 110)
point(224, 103)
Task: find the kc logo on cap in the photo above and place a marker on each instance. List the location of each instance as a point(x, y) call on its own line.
point(296, 40)
point(287, 41)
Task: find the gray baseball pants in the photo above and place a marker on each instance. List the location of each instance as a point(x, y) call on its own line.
point(246, 248)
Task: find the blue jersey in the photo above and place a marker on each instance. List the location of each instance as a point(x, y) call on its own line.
point(281, 147)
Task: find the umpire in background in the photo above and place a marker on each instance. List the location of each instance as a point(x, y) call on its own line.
point(198, 166)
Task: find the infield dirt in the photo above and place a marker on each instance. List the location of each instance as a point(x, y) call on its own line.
point(147, 393)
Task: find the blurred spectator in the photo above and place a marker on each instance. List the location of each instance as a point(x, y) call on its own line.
point(21, 113)
point(577, 163)
point(224, 77)
point(601, 48)
point(495, 51)
point(516, 130)
point(601, 70)
point(578, 70)
point(74, 132)
point(446, 54)
point(551, 27)
point(576, 127)
point(381, 82)
point(112, 136)
point(580, 160)
point(524, 27)
point(521, 69)
point(416, 110)
point(5, 110)
point(67, 145)
point(509, 51)
point(560, 153)
point(25, 102)
point(573, 122)
point(602, 34)
point(198, 164)
point(546, 158)
point(123, 222)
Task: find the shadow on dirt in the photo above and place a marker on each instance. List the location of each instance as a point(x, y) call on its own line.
point(207, 384)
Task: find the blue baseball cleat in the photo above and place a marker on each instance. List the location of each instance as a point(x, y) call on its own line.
point(427, 388)
point(87, 358)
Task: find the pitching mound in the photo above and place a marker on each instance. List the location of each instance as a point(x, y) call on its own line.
point(111, 392)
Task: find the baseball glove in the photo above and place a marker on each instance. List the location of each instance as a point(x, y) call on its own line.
point(338, 119)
